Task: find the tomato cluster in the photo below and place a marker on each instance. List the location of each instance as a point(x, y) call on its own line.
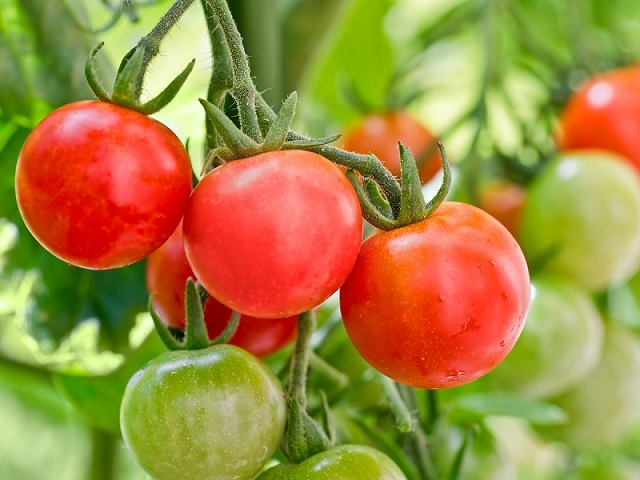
point(578, 222)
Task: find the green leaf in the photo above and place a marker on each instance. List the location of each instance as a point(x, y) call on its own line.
point(361, 53)
point(42, 53)
point(63, 297)
point(98, 398)
point(477, 405)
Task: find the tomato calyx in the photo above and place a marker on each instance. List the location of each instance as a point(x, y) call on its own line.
point(195, 336)
point(129, 81)
point(126, 89)
point(304, 436)
point(413, 207)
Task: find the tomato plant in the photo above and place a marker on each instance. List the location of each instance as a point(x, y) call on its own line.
point(438, 303)
point(167, 272)
point(126, 182)
point(217, 412)
point(560, 344)
point(581, 218)
point(604, 113)
point(380, 134)
point(347, 462)
point(273, 235)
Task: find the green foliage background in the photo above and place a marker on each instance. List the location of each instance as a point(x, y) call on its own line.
point(488, 76)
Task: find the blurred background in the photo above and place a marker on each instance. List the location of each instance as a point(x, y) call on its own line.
point(487, 77)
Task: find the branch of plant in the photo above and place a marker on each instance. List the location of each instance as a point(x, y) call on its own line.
point(243, 89)
point(150, 43)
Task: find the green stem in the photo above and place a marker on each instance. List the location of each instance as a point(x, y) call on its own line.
point(244, 91)
point(150, 43)
point(260, 24)
point(367, 165)
point(300, 358)
point(433, 410)
point(221, 80)
point(103, 455)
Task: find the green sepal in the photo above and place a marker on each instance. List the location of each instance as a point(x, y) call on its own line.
point(443, 191)
point(228, 331)
point(196, 335)
point(234, 139)
point(309, 143)
point(326, 420)
point(369, 210)
point(458, 460)
point(405, 421)
point(376, 197)
point(304, 436)
point(92, 76)
point(277, 134)
point(163, 98)
point(128, 80)
point(412, 204)
point(125, 87)
point(215, 158)
point(163, 330)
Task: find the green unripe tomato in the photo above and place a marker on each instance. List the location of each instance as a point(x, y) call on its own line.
point(581, 218)
point(211, 414)
point(560, 344)
point(605, 404)
point(346, 462)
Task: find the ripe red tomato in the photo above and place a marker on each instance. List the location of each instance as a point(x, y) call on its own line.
point(438, 303)
point(503, 200)
point(101, 186)
point(167, 273)
point(275, 234)
point(380, 134)
point(604, 113)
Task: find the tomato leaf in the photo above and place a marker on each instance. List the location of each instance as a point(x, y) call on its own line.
point(42, 51)
point(361, 53)
point(98, 398)
point(477, 405)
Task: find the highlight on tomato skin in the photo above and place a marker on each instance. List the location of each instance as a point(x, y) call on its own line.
point(604, 113)
point(380, 133)
point(438, 303)
point(167, 271)
point(273, 235)
point(101, 186)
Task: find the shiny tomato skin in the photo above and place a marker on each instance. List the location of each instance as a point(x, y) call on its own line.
point(216, 413)
point(344, 462)
point(380, 134)
point(167, 271)
point(273, 235)
point(101, 186)
point(438, 303)
point(604, 113)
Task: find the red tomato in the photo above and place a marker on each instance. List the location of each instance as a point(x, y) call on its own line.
point(380, 134)
point(503, 200)
point(275, 234)
point(167, 273)
point(605, 114)
point(101, 186)
point(438, 303)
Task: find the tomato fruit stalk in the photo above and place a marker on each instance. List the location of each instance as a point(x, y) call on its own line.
point(380, 134)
